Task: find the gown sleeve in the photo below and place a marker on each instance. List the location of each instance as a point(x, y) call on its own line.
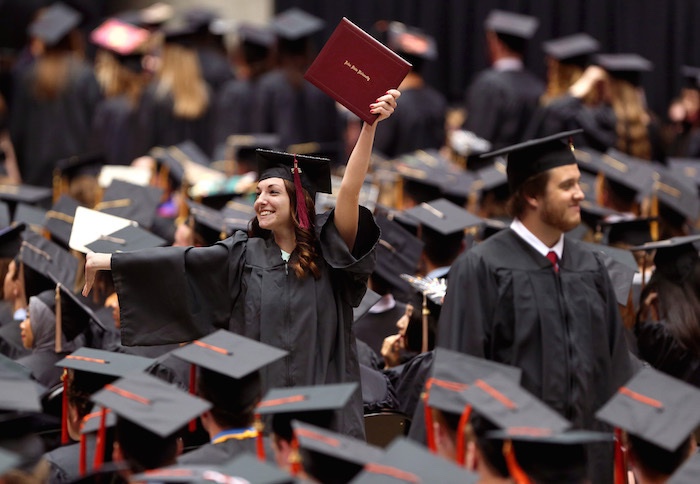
point(176, 294)
point(356, 265)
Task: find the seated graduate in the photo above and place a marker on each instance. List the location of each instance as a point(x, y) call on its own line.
point(87, 371)
point(658, 414)
point(229, 378)
point(150, 415)
point(291, 282)
point(13, 290)
point(319, 405)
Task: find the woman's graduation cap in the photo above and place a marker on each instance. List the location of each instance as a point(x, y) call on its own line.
point(59, 220)
point(675, 257)
point(572, 49)
point(44, 263)
point(536, 156)
point(625, 66)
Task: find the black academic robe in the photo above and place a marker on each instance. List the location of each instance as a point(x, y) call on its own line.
point(45, 131)
point(64, 461)
point(505, 303)
point(297, 114)
point(176, 294)
point(216, 69)
point(114, 131)
point(500, 104)
point(223, 452)
point(372, 328)
point(158, 125)
point(233, 110)
point(418, 125)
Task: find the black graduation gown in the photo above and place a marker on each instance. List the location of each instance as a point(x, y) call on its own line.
point(65, 460)
point(114, 131)
point(216, 69)
point(418, 125)
point(297, 115)
point(372, 328)
point(158, 126)
point(505, 303)
point(233, 110)
point(46, 131)
point(500, 104)
point(223, 452)
point(176, 294)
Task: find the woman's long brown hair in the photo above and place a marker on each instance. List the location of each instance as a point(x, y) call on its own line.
point(632, 120)
point(307, 251)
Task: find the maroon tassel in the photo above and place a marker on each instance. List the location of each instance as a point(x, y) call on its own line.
point(302, 214)
point(193, 389)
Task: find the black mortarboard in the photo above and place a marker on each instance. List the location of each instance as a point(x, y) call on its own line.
point(135, 202)
point(237, 215)
point(398, 252)
point(229, 354)
point(627, 232)
point(119, 37)
point(454, 372)
point(628, 67)
point(19, 395)
point(106, 363)
point(150, 403)
point(687, 168)
point(421, 182)
point(11, 240)
point(677, 194)
point(59, 220)
point(411, 41)
point(180, 32)
point(33, 217)
point(90, 225)
point(459, 185)
point(8, 461)
point(675, 257)
point(294, 24)
point(493, 175)
point(11, 370)
point(208, 223)
point(128, 239)
point(338, 447)
point(687, 473)
point(243, 146)
point(631, 173)
point(315, 172)
point(261, 35)
point(621, 266)
point(443, 216)
point(45, 262)
point(406, 461)
point(510, 23)
point(25, 194)
point(536, 156)
point(655, 407)
point(594, 216)
point(83, 164)
point(316, 398)
point(573, 49)
point(509, 406)
point(54, 23)
point(74, 313)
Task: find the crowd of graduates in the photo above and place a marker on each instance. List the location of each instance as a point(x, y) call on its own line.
point(147, 132)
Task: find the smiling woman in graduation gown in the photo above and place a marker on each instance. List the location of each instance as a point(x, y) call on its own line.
point(244, 285)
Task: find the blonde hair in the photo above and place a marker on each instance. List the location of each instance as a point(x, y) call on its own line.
point(180, 76)
point(117, 80)
point(632, 119)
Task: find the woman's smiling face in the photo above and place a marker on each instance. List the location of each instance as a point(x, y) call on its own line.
point(272, 205)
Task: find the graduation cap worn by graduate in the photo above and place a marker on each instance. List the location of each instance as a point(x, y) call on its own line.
point(687, 473)
point(237, 214)
point(572, 49)
point(510, 23)
point(33, 217)
point(676, 257)
point(207, 223)
point(621, 266)
point(29, 194)
point(443, 216)
point(128, 239)
point(295, 24)
point(327, 454)
point(92, 369)
point(407, 461)
point(238, 360)
point(59, 220)
point(654, 407)
point(44, 263)
point(55, 23)
point(533, 157)
point(676, 195)
point(73, 314)
point(453, 373)
point(308, 172)
point(411, 43)
point(626, 66)
point(130, 201)
point(11, 240)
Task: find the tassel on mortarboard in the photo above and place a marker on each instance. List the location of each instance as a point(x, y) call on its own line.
point(461, 435)
point(516, 472)
point(302, 214)
point(259, 442)
point(64, 408)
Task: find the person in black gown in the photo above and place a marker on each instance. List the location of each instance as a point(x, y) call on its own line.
point(289, 283)
point(530, 298)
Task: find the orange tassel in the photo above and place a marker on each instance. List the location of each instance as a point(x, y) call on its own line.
point(516, 472)
point(259, 443)
point(461, 444)
point(620, 476)
point(295, 458)
point(64, 409)
point(429, 430)
point(101, 441)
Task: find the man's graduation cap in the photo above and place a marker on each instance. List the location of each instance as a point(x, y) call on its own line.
point(45, 262)
point(536, 156)
point(624, 66)
point(150, 403)
point(406, 461)
point(572, 49)
point(256, 35)
point(59, 220)
point(130, 201)
point(654, 407)
point(675, 257)
point(512, 24)
point(294, 24)
point(326, 453)
point(691, 75)
point(54, 23)
point(443, 216)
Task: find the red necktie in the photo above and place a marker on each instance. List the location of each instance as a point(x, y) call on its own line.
point(552, 256)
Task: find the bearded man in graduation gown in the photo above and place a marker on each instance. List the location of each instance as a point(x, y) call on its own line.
point(528, 297)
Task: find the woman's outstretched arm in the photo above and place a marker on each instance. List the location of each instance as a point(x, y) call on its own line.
point(347, 203)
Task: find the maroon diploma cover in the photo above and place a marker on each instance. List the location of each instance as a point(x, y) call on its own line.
point(355, 69)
